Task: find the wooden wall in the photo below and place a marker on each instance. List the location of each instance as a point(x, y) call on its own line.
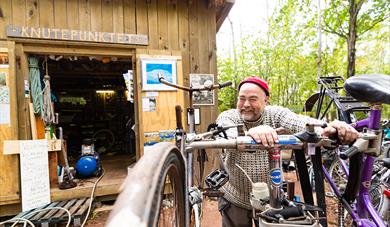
point(175, 26)
point(188, 26)
point(9, 164)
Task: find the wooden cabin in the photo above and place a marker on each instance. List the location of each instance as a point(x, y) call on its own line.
point(87, 47)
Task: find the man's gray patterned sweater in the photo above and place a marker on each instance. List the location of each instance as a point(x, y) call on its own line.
point(255, 164)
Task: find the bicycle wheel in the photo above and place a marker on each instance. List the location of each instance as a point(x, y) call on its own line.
point(338, 175)
point(154, 191)
point(104, 140)
point(376, 194)
point(172, 206)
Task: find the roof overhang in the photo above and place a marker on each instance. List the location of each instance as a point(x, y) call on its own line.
point(223, 9)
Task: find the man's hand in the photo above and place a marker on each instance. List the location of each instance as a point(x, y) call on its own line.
point(264, 134)
point(346, 133)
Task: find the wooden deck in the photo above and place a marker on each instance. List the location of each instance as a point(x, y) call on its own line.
point(115, 171)
point(108, 188)
point(45, 217)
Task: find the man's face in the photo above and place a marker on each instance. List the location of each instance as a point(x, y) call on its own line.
point(251, 101)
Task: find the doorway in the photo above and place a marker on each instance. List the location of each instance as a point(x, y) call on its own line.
point(92, 97)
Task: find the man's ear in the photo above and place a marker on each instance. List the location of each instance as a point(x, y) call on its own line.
point(266, 99)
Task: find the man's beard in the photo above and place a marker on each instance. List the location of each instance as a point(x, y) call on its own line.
point(248, 115)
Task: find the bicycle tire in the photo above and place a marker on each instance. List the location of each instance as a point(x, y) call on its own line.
point(376, 194)
point(139, 203)
point(172, 169)
point(335, 168)
point(104, 148)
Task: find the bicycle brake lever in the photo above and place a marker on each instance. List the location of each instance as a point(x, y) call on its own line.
point(207, 135)
point(327, 143)
point(309, 137)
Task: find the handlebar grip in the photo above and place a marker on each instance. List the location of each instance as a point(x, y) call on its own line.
point(179, 123)
point(286, 212)
point(225, 84)
point(349, 153)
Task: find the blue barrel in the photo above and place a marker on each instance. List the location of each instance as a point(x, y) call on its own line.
point(86, 166)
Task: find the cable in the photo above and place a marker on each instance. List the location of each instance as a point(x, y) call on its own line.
point(13, 220)
point(92, 197)
point(250, 180)
point(16, 220)
point(54, 208)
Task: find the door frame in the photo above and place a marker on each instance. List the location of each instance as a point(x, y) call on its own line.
point(87, 50)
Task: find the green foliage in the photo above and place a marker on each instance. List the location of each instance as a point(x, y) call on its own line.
point(286, 54)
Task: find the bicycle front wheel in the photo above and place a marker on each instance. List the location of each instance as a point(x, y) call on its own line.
point(154, 191)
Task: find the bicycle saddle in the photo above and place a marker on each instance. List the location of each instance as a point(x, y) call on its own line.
point(372, 88)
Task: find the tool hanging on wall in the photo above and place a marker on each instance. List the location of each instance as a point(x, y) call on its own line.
point(35, 85)
point(48, 116)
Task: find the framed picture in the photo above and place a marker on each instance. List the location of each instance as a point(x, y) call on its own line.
point(203, 97)
point(151, 68)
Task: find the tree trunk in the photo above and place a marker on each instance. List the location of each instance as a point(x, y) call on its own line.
point(352, 35)
point(319, 50)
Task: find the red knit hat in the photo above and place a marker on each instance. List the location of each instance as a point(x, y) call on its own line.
point(255, 80)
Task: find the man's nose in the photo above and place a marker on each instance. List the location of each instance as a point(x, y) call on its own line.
point(247, 103)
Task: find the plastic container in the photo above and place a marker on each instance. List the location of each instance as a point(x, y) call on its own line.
point(260, 190)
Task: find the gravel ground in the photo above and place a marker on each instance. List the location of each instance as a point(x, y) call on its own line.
point(211, 216)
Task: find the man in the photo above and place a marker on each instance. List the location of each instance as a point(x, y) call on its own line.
point(260, 121)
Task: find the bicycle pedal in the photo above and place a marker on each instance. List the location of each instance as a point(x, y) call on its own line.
point(213, 193)
point(217, 179)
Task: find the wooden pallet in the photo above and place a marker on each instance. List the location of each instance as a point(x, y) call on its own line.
point(77, 207)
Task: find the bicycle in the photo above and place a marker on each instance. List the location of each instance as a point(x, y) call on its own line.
point(173, 162)
point(347, 110)
point(140, 202)
point(374, 90)
point(330, 93)
point(128, 211)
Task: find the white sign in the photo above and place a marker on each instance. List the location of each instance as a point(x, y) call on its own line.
point(5, 117)
point(34, 171)
point(128, 77)
point(149, 104)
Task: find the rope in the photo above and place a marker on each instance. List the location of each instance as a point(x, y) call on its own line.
point(48, 110)
point(35, 84)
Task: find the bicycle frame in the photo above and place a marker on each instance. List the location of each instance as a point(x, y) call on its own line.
point(182, 137)
point(364, 208)
point(188, 148)
point(346, 106)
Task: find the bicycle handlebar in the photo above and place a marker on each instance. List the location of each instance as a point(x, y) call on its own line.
point(206, 87)
point(225, 84)
point(247, 144)
point(349, 153)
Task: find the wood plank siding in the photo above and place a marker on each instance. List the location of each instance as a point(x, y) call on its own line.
point(174, 25)
point(185, 29)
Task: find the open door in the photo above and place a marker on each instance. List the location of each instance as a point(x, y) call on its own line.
point(155, 106)
point(9, 164)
